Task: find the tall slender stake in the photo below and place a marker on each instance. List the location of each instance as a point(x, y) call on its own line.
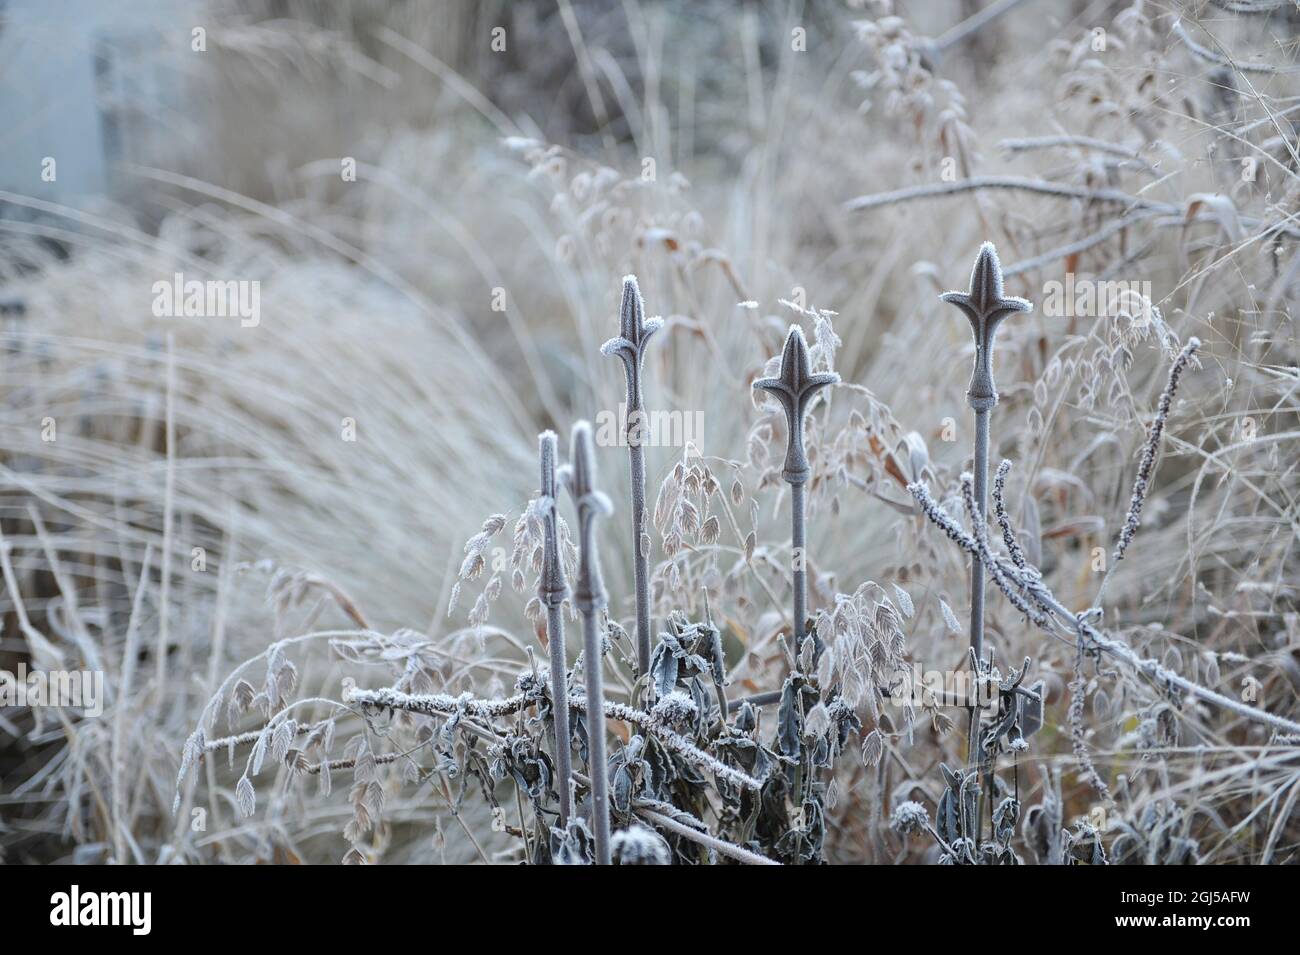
point(985, 306)
point(552, 589)
point(633, 333)
point(794, 387)
point(589, 597)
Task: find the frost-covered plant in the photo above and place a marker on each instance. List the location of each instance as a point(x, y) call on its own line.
point(689, 756)
point(589, 597)
point(985, 306)
point(1019, 713)
point(634, 331)
point(794, 387)
point(667, 761)
point(552, 590)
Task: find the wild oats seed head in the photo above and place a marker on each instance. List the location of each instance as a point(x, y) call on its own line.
point(985, 306)
point(794, 387)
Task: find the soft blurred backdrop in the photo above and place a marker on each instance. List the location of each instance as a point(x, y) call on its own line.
point(437, 202)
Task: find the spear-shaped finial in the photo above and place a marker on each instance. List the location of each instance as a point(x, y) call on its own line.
point(552, 589)
point(794, 387)
point(634, 330)
point(589, 597)
point(985, 305)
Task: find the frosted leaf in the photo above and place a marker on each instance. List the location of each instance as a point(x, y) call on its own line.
point(259, 753)
point(245, 798)
point(639, 845)
point(949, 618)
point(904, 601)
point(873, 748)
point(908, 817)
point(675, 709)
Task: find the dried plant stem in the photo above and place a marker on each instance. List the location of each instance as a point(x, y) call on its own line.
point(798, 543)
point(976, 563)
point(130, 654)
point(441, 704)
point(634, 331)
point(658, 813)
point(640, 559)
point(1069, 142)
point(1079, 245)
point(559, 697)
point(169, 494)
point(720, 846)
point(1027, 591)
point(794, 387)
point(971, 25)
point(979, 502)
point(590, 599)
point(1210, 56)
point(985, 306)
point(677, 743)
point(552, 589)
point(591, 666)
point(1017, 183)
